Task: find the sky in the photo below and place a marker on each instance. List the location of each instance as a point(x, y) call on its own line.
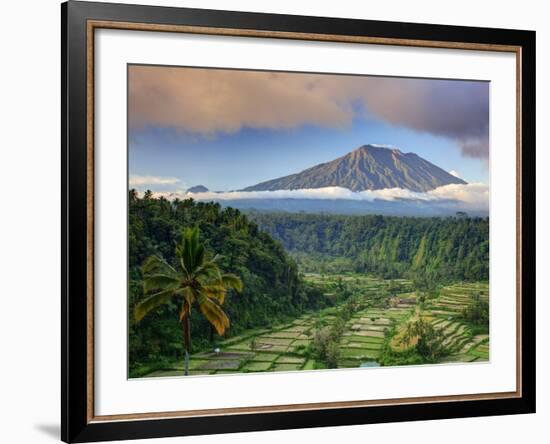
point(229, 129)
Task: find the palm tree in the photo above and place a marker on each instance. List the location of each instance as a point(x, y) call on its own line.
point(196, 282)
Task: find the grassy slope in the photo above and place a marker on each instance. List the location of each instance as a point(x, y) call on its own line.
point(285, 346)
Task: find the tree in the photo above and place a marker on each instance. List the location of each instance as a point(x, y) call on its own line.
point(429, 341)
point(443, 249)
point(477, 312)
point(196, 282)
point(325, 347)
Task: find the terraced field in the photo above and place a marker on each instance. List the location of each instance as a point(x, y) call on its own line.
point(464, 345)
point(384, 307)
point(279, 349)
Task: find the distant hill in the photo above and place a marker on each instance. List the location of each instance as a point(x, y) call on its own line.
point(197, 189)
point(397, 207)
point(369, 167)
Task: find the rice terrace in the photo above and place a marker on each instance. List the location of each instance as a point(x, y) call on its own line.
point(282, 221)
point(373, 334)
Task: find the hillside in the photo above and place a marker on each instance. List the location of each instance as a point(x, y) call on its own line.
point(440, 249)
point(272, 287)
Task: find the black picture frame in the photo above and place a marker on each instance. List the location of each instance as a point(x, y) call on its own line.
point(76, 423)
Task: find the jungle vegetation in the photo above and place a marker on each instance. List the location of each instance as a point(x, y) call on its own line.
point(263, 256)
point(426, 250)
point(196, 281)
point(272, 289)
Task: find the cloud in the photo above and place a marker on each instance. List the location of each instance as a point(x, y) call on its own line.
point(477, 148)
point(474, 196)
point(139, 181)
point(209, 101)
point(455, 173)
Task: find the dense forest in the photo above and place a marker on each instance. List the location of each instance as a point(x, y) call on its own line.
point(272, 287)
point(433, 249)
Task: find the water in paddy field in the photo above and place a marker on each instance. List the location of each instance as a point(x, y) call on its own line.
point(370, 364)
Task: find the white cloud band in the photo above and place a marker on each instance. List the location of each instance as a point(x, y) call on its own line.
point(472, 195)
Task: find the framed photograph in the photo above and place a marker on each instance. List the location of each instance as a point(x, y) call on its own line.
point(275, 221)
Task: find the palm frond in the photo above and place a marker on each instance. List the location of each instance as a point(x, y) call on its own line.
point(187, 294)
point(200, 281)
point(216, 258)
point(230, 280)
point(183, 266)
point(191, 251)
point(157, 265)
point(159, 282)
point(199, 256)
point(208, 270)
point(215, 291)
point(151, 303)
point(213, 313)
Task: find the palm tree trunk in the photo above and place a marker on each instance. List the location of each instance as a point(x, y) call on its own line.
point(186, 342)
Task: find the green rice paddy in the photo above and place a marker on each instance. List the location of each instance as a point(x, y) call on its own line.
point(386, 308)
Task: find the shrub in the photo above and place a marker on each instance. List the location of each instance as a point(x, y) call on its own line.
point(477, 312)
point(429, 343)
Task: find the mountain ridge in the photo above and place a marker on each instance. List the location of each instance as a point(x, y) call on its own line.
point(369, 167)
point(197, 189)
